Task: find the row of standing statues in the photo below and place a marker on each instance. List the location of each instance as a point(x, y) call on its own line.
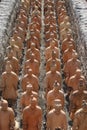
point(64, 83)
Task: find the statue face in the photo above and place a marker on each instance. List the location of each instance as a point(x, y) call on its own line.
point(57, 86)
point(53, 68)
point(85, 107)
point(32, 57)
point(78, 74)
point(4, 105)
point(10, 54)
point(81, 85)
point(29, 88)
point(58, 107)
point(30, 72)
point(33, 103)
point(54, 55)
point(8, 68)
point(32, 46)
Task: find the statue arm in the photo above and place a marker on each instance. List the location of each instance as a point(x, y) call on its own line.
point(22, 102)
point(25, 120)
point(23, 84)
point(12, 120)
point(65, 125)
point(72, 104)
point(75, 123)
point(16, 82)
point(3, 82)
point(49, 102)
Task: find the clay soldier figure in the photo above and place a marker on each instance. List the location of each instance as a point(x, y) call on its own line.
point(17, 40)
point(37, 25)
point(33, 64)
point(21, 24)
point(77, 97)
point(51, 30)
point(56, 118)
point(63, 33)
point(62, 17)
point(60, 4)
point(30, 78)
point(26, 96)
point(72, 65)
point(80, 119)
point(9, 85)
point(52, 38)
point(32, 116)
point(21, 31)
point(36, 9)
point(36, 33)
point(50, 78)
point(66, 42)
point(16, 50)
point(33, 39)
point(36, 18)
point(55, 60)
point(14, 61)
point(49, 17)
point(73, 81)
point(33, 50)
point(65, 24)
point(68, 53)
point(23, 17)
point(7, 117)
point(55, 93)
point(48, 51)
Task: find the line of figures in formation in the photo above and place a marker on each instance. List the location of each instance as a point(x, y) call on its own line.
point(64, 83)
